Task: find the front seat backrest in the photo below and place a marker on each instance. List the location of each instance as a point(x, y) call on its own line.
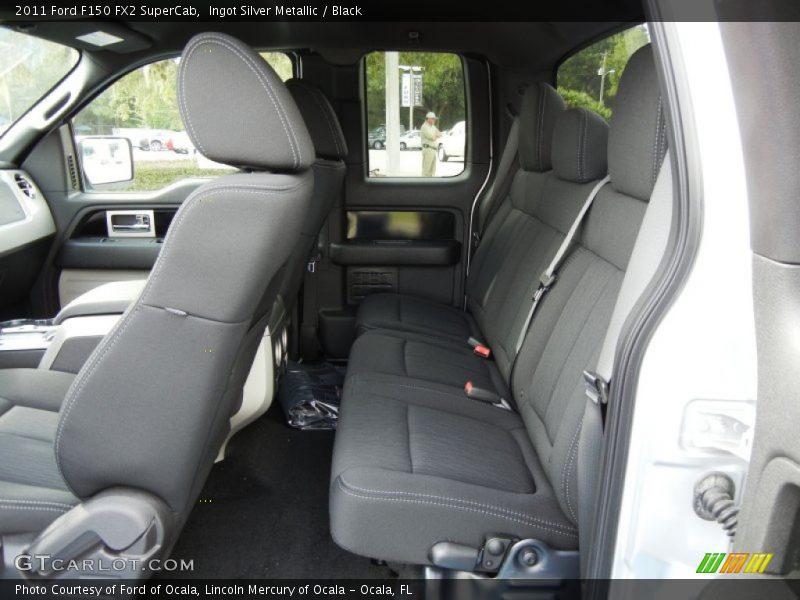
point(150, 407)
point(329, 171)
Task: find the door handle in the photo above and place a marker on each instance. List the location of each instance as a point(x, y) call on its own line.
point(130, 223)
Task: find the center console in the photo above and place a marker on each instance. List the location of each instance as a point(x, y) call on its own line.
point(23, 342)
point(66, 341)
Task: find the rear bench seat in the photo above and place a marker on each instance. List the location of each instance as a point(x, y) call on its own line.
point(524, 235)
point(506, 243)
point(415, 461)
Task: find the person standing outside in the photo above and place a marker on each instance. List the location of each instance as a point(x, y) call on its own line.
point(429, 135)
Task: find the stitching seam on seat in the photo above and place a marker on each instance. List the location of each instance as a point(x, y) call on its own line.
point(566, 470)
point(582, 158)
point(29, 508)
point(656, 141)
point(543, 94)
point(348, 486)
point(408, 438)
point(116, 332)
point(445, 502)
point(182, 101)
point(35, 504)
point(200, 317)
point(280, 110)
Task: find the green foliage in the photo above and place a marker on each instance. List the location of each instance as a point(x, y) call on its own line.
point(579, 99)
point(149, 176)
point(442, 88)
point(147, 98)
point(579, 76)
point(281, 63)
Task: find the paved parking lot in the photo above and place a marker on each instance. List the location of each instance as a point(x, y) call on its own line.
point(411, 164)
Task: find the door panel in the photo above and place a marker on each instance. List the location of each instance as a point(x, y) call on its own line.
point(75, 282)
point(82, 245)
point(431, 253)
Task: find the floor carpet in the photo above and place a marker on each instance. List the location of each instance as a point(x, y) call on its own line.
point(264, 510)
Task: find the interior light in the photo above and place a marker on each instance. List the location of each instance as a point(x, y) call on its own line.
point(99, 38)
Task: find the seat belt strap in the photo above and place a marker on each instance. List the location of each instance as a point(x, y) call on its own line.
point(649, 248)
point(548, 277)
point(503, 179)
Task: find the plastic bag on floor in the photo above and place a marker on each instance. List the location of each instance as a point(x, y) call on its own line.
point(310, 395)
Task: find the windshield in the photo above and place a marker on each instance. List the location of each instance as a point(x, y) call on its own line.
point(29, 68)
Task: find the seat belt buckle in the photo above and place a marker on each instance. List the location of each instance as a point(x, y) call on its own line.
point(596, 387)
point(473, 392)
point(482, 351)
point(483, 395)
point(479, 348)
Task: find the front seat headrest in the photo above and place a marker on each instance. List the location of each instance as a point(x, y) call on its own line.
point(320, 118)
point(237, 111)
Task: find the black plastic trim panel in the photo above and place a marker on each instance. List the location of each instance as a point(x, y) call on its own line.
point(396, 252)
point(109, 253)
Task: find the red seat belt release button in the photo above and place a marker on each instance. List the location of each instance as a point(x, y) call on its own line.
point(480, 394)
point(482, 351)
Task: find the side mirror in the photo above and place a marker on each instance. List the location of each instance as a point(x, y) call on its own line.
point(106, 159)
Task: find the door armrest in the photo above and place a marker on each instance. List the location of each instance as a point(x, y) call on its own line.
point(108, 299)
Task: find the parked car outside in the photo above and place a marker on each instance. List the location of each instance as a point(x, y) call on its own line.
point(376, 139)
point(410, 140)
point(179, 143)
point(453, 142)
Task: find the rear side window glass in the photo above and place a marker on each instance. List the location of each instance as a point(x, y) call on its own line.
point(142, 107)
point(416, 114)
point(589, 78)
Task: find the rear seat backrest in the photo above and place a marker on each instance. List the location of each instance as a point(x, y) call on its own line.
point(541, 106)
point(330, 150)
point(541, 208)
point(570, 325)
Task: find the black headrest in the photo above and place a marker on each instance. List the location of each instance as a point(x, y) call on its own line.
point(236, 110)
point(580, 144)
point(541, 105)
point(637, 141)
point(320, 118)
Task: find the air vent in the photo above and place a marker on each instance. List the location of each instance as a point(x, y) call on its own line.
point(25, 186)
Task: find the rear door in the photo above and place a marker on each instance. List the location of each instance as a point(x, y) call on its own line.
point(767, 103)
